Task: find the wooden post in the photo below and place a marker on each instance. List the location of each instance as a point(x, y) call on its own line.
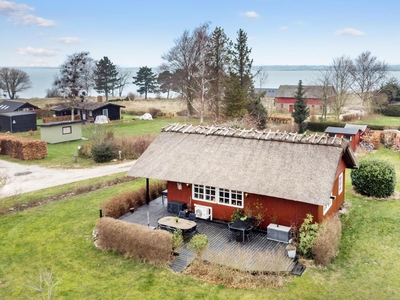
point(147, 191)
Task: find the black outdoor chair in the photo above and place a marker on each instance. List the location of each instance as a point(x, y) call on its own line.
point(182, 214)
point(166, 227)
point(192, 216)
point(248, 233)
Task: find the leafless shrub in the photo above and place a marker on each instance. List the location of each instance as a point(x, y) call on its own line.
point(46, 285)
point(132, 147)
point(155, 112)
point(326, 245)
point(374, 137)
point(120, 204)
point(350, 117)
point(131, 96)
point(134, 240)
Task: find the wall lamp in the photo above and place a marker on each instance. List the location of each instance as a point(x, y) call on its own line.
point(187, 184)
point(246, 195)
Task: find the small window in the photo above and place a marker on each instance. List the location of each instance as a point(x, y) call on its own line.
point(340, 184)
point(67, 130)
point(328, 205)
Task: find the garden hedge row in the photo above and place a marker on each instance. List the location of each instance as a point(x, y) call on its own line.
point(22, 148)
point(134, 240)
point(60, 119)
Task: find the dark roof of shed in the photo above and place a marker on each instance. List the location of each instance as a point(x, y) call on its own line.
point(17, 113)
point(83, 105)
point(341, 130)
point(360, 127)
point(12, 105)
point(310, 91)
point(59, 123)
point(278, 164)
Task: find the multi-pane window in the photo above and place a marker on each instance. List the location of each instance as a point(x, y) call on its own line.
point(66, 130)
point(327, 206)
point(222, 196)
point(340, 184)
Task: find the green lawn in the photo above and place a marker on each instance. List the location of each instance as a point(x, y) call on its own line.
point(393, 122)
point(58, 236)
point(62, 155)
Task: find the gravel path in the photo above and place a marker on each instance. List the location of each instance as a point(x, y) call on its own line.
point(23, 179)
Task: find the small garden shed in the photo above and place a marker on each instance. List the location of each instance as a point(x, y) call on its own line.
point(12, 105)
point(221, 170)
point(17, 121)
point(351, 133)
point(58, 132)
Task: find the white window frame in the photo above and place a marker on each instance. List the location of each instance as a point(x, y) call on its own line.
point(216, 195)
point(105, 112)
point(66, 129)
point(328, 205)
point(340, 183)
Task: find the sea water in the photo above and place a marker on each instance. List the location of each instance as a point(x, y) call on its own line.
point(42, 79)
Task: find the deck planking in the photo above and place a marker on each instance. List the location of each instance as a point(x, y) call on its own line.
point(258, 254)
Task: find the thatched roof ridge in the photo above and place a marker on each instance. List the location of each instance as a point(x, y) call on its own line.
point(284, 165)
point(291, 137)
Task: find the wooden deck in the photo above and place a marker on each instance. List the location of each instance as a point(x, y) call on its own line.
point(258, 254)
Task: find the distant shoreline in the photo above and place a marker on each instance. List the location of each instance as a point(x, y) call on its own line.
point(255, 67)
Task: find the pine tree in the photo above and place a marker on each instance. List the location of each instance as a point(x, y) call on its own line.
point(218, 60)
point(240, 71)
point(301, 111)
point(105, 76)
point(146, 80)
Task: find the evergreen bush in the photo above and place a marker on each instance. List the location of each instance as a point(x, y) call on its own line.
point(374, 178)
point(102, 153)
point(308, 232)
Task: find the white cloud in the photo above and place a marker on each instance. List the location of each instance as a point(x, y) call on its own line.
point(283, 28)
point(349, 31)
point(36, 51)
point(19, 13)
point(69, 40)
point(251, 15)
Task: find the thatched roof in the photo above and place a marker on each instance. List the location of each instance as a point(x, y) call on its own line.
point(310, 91)
point(284, 165)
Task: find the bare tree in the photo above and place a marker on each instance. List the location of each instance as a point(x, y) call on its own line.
point(369, 74)
point(76, 77)
point(323, 79)
point(339, 76)
point(262, 76)
point(184, 58)
point(124, 76)
point(14, 81)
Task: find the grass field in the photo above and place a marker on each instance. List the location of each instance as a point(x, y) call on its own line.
point(57, 237)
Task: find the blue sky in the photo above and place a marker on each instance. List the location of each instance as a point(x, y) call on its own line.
point(137, 33)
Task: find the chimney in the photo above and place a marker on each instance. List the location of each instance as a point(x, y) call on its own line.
point(99, 98)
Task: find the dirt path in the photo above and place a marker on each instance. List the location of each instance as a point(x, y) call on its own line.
point(23, 179)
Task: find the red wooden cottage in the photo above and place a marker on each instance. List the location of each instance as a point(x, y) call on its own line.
point(216, 171)
point(284, 99)
point(353, 133)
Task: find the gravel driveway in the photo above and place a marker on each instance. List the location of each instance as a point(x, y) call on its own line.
point(23, 179)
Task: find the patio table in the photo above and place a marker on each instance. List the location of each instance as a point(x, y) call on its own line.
point(183, 224)
point(241, 225)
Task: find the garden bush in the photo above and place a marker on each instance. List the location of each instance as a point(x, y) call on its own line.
point(390, 111)
point(326, 245)
point(307, 234)
point(374, 178)
point(132, 147)
point(120, 204)
point(103, 152)
point(198, 244)
point(134, 240)
point(321, 126)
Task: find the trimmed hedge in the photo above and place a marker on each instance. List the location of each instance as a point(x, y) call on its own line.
point(61, 119)
point(134, 240)
point(374, 178)
point(321, 126)
point(22, 148)
point(120, 204)
point(390, 111)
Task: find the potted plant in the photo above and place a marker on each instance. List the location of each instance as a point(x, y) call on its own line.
point(291, 249)
point(176, 219)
